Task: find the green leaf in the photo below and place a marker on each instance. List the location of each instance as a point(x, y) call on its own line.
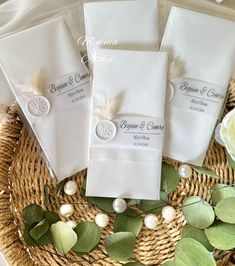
point(39, 230)
point(152, 206)
point(189, 252)
point(198, 212)
point(47, 195)
point(221, 235)
point(163, 196)
point(231, 162)
point(125, 223)
point(120, 246)
point(27, 238)
point(134, 264)
point(221, 191)
point(88, 234)
point(225, 210)
point(205, 171)
point(52, 217)
point(45, 239)
point(60, 186)
point(169, 263)
point(105, 204)
point(170, 178)
point(196, 234)
point(132, 202)
point(64, 238)
point(131, 213)
point(33, 214)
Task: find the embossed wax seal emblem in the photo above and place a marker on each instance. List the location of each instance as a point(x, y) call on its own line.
point(38, 106)
point(105, 130)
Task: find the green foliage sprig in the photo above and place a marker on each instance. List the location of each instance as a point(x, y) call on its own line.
point(44, 227)
point(209, 227)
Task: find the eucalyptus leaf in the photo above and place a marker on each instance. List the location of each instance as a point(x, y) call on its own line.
point(221, 235)
point(196, 234)
point(163, 196)
point(47, 195)
point(152, 206)
point(88, 237)
point(231, 162)
point(169, 263)
point(125, 223)
point(132, 202)
point(189, 252)
point(52, 217)
point(225, 210)
point(221, 191)
point(170, 178)
point(60, 186)
point(45, 239)
point(131, 212)
point(105, 204)
point(39, 230)
point(134, 264)
point(198, 212)
point(27, 238)
point(64, 238)
point(120, 246)
point(205, 171)
point(33, 214)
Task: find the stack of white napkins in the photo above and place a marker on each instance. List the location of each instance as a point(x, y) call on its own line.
point(50, 49)
point(128, 164)
point(121, 24)
point(202, 54)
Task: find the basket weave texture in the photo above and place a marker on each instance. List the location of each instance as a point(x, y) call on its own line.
point(23, 175)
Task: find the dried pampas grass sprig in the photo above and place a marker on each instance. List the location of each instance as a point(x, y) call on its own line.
point(37, 83)
point(176, 69)
point(109, 108)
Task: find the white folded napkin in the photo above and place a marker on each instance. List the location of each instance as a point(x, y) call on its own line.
point(127, 130)
point(202, 56)
point(120, 24)
point(50, 49)
point(16, 15)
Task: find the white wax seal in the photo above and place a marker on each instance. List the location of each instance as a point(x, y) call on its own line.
point(105, 130)
point(38, 106)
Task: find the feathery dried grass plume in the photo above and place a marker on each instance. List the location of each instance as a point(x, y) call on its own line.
point(5, 116)
point(176, 69)
point(37, 83)
point(109, 108)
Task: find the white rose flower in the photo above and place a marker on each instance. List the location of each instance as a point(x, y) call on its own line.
point(227, 133)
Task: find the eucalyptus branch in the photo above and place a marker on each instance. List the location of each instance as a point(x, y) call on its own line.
point(66, 257)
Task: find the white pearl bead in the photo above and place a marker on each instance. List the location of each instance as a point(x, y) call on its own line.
point(185, 171)
point(168, 213)
point(71, 223)
point(151, 221)
point(70, 188)
point(219, 1)
point(119, 205)
point(66, 210)
point(102, 220)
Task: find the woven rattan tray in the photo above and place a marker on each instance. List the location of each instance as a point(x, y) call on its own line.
point(23, 175)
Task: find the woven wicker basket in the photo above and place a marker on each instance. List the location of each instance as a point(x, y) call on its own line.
point(23, 175)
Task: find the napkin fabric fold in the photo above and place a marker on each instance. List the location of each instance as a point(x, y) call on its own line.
point(50, 49)
point(204, 46)
point(131, 24)
point(129, 165)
